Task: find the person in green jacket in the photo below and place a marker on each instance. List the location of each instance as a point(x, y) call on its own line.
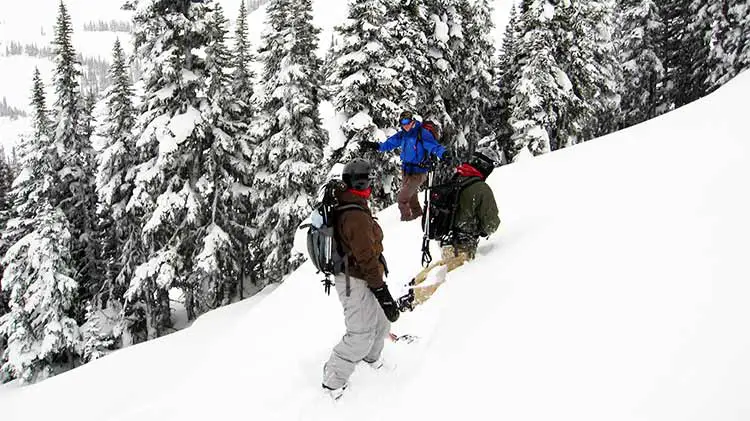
point(476, 216)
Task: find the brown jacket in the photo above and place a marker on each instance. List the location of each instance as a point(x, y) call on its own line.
point(361, 236)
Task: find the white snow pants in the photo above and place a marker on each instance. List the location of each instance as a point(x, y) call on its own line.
point(366, 329)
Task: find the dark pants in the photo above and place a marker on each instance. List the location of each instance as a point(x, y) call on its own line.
point(408, 200)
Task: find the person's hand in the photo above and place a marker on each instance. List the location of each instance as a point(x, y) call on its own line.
point(386, 302)
point(367, 145)
point(448, 158)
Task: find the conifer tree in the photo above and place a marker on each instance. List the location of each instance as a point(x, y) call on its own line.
point(728, 55)
point(640, 55)
point(72, 158)
point(407, 22)
point(542, 93)
point(6, 181)
point(243, 75)
point(171, 136)
point(35, 178)
point(697, 46)
point(507, 72)
point(366, 86)
point(586, 56)
point(445, 41)
point(223, 189)
point(42, 336)
point(288, 133)
point(679, 51)
point(116, 228)
point(244, 109)
point(476, 91)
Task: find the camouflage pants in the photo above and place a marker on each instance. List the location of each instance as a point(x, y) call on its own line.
point(452, 258)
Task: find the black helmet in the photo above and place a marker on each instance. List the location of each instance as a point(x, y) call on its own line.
point(485, 160)
point(356, 174)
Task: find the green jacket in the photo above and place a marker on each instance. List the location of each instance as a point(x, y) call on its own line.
point(477, 214)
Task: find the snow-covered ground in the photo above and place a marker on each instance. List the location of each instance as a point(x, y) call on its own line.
point(616, 289)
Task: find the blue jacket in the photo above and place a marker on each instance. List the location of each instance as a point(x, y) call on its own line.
point(414, 153)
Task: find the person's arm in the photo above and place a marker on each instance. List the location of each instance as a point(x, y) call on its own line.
point(392, 142)
point(359, 235)
point(487, 211)
point(431, 146)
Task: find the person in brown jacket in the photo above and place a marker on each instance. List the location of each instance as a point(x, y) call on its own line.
point(368, 305)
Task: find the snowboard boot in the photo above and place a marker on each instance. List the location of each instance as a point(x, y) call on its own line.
point(375, 365)
point(335, 394)
point(406, 302)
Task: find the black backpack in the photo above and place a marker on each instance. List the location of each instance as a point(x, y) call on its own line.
point(323, 245)
point(440, 210)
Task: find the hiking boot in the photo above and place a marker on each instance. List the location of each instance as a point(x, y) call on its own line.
point(335, 394)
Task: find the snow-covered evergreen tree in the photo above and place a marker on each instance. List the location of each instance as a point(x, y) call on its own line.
point(43, 338)
point(507, 73)
point(288, 133)
point(729, 53)
point(640, 49)
point(113, 184)
point(407, 22)
point(72, 158)
point(542, 93)
point(586, 55)
point(244, 109)
point(6, 184)
point(114, 187)
point(35, 179)
point(476, 91)
point(697, 44)
point(6, 181)
point(366, 86)
point(445, 42)
point(679, 52)
point(243, 75)
point(170, 38)
point(220, 257)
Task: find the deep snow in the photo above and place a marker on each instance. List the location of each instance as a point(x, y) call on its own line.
point(616, 289)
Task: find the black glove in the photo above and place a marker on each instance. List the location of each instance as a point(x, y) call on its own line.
point(448, 158)
point(366, 145)
point(387, 302)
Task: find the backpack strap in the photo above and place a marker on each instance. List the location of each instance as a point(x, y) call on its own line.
point(421, 141)
point(339, 210)
point(460, 188)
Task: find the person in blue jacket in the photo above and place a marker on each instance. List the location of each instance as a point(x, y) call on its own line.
point(417, 145)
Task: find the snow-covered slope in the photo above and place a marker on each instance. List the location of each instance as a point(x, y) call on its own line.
point(616, 289)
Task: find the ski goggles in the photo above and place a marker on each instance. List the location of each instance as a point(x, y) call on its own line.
point(405, 121)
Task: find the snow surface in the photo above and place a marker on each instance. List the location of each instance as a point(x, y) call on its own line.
point(616, 289)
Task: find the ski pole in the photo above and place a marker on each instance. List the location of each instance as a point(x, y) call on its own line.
point(426, 256)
